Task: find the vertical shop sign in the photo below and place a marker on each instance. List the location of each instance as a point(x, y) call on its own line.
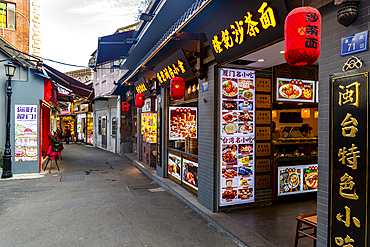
point(237, 130)
point(159, 136)
point(25, 129)
point(349, 177)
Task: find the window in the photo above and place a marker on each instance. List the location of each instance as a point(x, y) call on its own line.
point(79, 79)
point(86, 78)
point(7, 15)
point(111, 67)
point(99, 126)
point(114, 126)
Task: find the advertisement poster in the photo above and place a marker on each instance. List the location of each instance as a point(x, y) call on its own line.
point(80, 133)
point(295, 90)
point(174, 166)
point(237, 122)
point(25, 128)
point(297, 179)
point(190, 173)
point(183, 122)
point(149, 127)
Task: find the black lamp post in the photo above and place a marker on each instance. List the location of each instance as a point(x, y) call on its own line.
point(7, 157)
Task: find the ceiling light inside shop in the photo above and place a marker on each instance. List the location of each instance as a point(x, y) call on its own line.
point(261, 60)
point(282, 52)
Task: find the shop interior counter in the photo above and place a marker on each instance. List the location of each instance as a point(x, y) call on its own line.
point(183, 169)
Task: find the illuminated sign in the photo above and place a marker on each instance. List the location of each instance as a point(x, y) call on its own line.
point(35, 27)
point(174, 66)
point(142, 87)
point(250, 25)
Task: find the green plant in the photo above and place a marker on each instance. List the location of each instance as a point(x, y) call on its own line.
point(1, 157)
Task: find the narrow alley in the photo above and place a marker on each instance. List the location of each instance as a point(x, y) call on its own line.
point(98, 199)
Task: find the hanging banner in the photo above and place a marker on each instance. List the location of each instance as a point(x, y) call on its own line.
point(25, 130)
point(349, 160)
point(237, 101)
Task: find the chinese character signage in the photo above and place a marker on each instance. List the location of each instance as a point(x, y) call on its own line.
point(354, 43)
point(248, 26)
point(141, 86)
point(349, 173)
point(175, 66)
point(25, 128)
point(295, 90)
point(149, 127)
point(237, 94)
point(263, 85)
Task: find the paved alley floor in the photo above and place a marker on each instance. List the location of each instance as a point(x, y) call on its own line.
point(98, 199)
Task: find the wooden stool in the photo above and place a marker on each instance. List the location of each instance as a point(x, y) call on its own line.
point(306, 222)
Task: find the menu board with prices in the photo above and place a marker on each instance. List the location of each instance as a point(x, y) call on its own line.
point(349, 159)
point(295, 90)
point(237, 123)
point(190, 173)
point(174, 166)
point(149, 127)
point(297, 179)
point(182, 122)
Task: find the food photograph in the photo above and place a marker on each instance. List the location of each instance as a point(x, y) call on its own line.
point(174, 168)
point(245, 128)
point(229, 194)
point(229, 155)
point(295, 90)
point(230, 117)
point(229, 128)
point(245, 159)
point(183, 122)
point(190, 174)
point(229, 172)
point(246, 105)
point(245, 182)
point(290, 180)
point(246, 94)
point(245, 171)
point(246, 84)
point(229, 88)
point(229, 105)
point(245, 193)
point(245, 116)
point(246, 149)
point(310, 178)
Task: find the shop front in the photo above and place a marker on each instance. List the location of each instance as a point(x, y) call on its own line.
point(216, 139)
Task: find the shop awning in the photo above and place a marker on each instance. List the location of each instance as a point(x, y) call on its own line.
point(70, 83)
point(120, 90)
point(65, 97)
point(113, 47)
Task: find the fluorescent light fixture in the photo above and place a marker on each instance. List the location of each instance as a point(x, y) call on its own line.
point(282, 52)
point(261, 60)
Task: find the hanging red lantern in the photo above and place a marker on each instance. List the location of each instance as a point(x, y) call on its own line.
point(140, 100)
point(125, 106)
point(302, 32)
point(177, 88)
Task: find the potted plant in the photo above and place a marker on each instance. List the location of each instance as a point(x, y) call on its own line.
point(1, 161)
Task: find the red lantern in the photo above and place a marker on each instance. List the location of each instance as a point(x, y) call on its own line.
point(177, 88)
point(140, 100)
point(302, 31)
point(125, 106)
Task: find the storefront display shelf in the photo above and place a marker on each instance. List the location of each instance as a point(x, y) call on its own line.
point(183, 153)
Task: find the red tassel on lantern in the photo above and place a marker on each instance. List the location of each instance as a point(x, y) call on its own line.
point(125, 106)
point(140, 100)
point(302, 31)
point(177, 88)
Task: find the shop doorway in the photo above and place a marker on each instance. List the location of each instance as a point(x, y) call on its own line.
point(104, 131)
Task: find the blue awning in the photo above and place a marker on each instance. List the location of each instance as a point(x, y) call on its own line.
point(113, 47)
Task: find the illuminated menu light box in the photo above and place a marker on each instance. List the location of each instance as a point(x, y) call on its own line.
point(297, 179)
point(237, 130)
point(295, 90)
point(149, 127)
point(182, 122)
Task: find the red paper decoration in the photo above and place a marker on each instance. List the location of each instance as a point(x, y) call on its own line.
point(140, 100)
point(125, 106)
point(177, 88)
point(302, 31)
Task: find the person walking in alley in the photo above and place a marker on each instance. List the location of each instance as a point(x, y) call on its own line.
point(68, 134)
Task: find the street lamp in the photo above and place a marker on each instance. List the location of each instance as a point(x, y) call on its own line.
point(7, 157)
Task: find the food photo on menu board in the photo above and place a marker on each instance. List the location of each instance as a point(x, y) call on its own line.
point(295, 90)
point(174, 166)
point(190, 173)
point(183, 122)
point(289, 180)
point(310, 177)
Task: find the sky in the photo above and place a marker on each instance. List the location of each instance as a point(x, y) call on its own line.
point(70, 28)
